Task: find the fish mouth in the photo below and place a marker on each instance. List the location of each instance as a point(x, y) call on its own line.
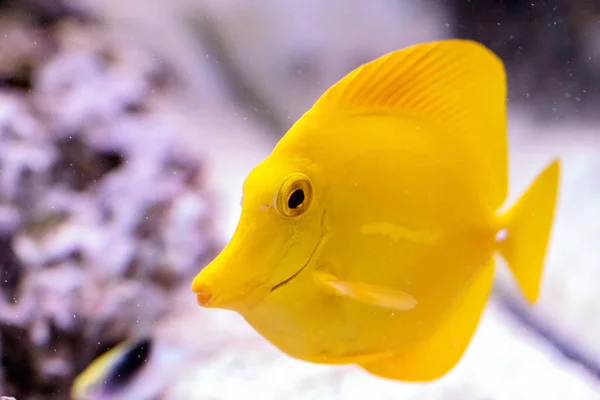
point(310, 258)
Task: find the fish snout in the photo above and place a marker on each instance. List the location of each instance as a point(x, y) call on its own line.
point(204, 294)
point(203, 298)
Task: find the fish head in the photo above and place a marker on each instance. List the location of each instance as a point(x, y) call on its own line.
point(279, 230)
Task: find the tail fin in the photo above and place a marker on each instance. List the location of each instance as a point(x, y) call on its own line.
point(528, 226)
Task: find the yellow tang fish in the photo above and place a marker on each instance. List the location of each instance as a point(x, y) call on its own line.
point(368, 235)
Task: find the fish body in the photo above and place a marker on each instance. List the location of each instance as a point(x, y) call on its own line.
point(433, 233)
point(368, 235)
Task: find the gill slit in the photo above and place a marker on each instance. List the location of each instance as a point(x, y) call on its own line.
point(310, 258)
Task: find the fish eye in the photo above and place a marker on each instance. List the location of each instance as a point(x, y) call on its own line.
point(295, 195)
point(296, 199)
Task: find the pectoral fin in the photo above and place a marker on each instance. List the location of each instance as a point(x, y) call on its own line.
point(437, 355)
point(377, 295)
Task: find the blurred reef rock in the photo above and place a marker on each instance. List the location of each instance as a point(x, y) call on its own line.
point(104, 212)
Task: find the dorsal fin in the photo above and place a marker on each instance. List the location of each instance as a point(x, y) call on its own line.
point(460, 85)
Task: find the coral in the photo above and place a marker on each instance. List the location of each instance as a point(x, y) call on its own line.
point(103, 211)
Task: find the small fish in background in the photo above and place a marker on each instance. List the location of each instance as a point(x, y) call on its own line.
point(146, 365)
point(138, 368)
point(113, 370)
point(369, 235)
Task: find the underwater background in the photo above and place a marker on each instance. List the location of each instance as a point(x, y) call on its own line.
point(128, 126)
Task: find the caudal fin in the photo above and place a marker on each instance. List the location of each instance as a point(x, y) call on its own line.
point(528, 226)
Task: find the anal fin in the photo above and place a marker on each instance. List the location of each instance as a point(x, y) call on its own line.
point(434, 357)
